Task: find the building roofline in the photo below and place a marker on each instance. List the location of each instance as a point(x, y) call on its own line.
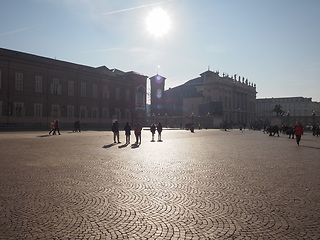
point(46, 60)
point(283, 98)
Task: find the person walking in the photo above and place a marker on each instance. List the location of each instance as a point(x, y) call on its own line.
point(298, 131)
point(52, 127)
point(127, 130)
point(56, 127)
point(314, 130)
point(115, 130)
point(137, 132)
point(76, 126)
point(153, 131)
point(159, 129)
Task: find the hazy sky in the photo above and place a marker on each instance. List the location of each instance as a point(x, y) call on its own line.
point(273, 43)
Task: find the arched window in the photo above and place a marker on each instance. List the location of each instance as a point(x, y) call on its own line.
point(141, 96)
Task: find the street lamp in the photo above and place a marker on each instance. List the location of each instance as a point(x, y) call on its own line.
point(166, 119)
point(313, 117)
point(288, 117)
point(208, 120)
point(192, 125)
point(153, 117)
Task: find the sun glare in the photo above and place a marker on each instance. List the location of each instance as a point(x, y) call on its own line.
point(158, 22)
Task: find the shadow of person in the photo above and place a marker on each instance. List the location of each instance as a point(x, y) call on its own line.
point(135, 145)
point(109, 145)
point(310, 147)
point(123, 146)
point(44, 136)
point(160, 141)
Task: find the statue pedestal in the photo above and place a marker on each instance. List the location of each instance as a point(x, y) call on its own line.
point(276, 121)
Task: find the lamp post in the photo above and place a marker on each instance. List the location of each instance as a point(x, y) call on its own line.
point(192, 123)
point(288, 118)
point(153, 118)
point(212, 119)
point(208, 120)
point(313, 117)
point(166, 119)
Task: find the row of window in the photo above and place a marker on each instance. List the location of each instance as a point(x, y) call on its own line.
point(56, 88)
point(18, 110)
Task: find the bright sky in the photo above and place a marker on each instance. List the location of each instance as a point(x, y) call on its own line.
point(273, 43)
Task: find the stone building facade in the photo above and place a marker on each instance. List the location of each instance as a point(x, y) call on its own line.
point(223, 99)
point(34, 90)
point(293, 107)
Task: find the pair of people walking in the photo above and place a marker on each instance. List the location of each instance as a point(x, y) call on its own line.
point(153, 129)
point(137, 132)
point(54, 126)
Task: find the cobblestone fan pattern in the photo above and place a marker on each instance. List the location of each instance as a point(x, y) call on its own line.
point(209, 184)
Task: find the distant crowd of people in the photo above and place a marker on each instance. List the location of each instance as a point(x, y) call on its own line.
point(137, 132)
point(297, 131)
point(54, 127)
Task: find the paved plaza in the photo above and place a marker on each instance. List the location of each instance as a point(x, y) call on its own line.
point(210, 184)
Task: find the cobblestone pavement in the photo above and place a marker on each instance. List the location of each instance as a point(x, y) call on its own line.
point(210, 184)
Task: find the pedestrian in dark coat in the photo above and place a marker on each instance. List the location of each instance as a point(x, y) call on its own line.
point(317, 130)
point(314, 130)
point(76, 126)
point(127, 130)
point(137, 132)
point(159, 129)
point(57, 128)
point(115, 130)
point(153, 130)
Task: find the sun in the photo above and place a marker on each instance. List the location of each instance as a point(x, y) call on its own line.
point(158, 22)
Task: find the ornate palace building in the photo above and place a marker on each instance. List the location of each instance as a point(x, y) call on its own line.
point(35, 90)
point(223, 99)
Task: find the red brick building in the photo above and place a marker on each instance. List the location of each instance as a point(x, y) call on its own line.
point(35, 90)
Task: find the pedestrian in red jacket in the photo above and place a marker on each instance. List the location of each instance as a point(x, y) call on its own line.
point(298, 131)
